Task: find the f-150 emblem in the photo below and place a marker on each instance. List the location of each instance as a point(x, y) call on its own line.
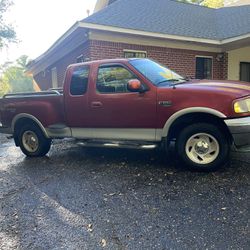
point(165, 103)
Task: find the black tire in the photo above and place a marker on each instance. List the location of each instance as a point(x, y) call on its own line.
point(42, 146)
point(216, 137)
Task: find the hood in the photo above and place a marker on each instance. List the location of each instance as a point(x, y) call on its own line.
point(217, 95)
point(230, 88)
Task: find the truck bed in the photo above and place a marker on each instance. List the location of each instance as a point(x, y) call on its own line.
point(46, 106)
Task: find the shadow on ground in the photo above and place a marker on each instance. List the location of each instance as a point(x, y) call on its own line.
point(119, 199)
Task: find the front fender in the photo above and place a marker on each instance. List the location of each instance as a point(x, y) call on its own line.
point(186, 111)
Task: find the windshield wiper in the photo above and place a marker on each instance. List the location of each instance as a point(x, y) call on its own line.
point(170, 80)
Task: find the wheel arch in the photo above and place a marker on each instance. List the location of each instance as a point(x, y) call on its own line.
point(188, 116)
point(24, 118)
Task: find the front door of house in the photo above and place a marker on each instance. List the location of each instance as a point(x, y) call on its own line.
point(245, 71)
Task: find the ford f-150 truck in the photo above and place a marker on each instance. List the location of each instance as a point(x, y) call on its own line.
point(135, 103)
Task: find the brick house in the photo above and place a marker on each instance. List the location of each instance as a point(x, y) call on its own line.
point(236, 2)
point(194, 41)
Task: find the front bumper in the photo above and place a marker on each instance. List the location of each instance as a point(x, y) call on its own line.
point(240, 130)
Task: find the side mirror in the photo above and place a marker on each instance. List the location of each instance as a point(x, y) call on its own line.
point(135, 85)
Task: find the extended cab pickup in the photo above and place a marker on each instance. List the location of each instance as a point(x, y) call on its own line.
point(134, 103)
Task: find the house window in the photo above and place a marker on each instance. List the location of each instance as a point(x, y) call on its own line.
point(54, 78)
point(113, 79)
point(204, 67)
point(80, 59)
point(135, 54)
point(245, 71)
point(79, 81)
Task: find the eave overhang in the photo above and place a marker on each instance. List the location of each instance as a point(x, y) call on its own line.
point(164, 36)
point(78, 33)
point(73, 38)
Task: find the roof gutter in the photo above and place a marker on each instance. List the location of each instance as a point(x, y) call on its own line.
point(160, 35)
point(235, 39)
point(146, 33)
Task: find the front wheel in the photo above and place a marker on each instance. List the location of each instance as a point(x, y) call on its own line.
point(203, 147)
point(32, 141)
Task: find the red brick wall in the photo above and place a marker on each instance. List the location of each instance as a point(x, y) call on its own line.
point(44, 79)
point(224, 67)
point(182, 61)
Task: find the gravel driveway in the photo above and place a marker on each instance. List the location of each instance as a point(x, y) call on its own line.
point(80, 198)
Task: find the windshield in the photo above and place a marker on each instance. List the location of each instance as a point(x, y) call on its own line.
point(156, 73)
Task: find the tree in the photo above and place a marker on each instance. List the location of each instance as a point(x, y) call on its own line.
point(4, 88)
point(7, 33)
point(191, 1)
point(207, 3)
point(213, 3)
point(14, 79)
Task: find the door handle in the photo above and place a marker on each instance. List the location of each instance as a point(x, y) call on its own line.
point(96, 104)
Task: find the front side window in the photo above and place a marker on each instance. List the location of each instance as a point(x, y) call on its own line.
point(79, 80)
point(113, 79)
point(156, 73)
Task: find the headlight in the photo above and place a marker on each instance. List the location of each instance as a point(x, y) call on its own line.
point(242, 106)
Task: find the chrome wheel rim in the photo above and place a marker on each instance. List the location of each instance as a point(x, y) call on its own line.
point(30, 141)
point(202, 148)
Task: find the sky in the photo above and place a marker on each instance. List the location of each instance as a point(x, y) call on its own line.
point(39, 23)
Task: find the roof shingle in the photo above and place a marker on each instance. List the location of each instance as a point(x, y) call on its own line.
point(175, 18)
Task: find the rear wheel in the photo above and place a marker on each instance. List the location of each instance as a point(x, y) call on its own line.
point(32, 141)
point(203, 147)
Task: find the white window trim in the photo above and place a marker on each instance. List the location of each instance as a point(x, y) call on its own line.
point(132, 50)
point(135, 51)
point(80, 56)
point(205, 56)
point(210, 57)
point(54, 77)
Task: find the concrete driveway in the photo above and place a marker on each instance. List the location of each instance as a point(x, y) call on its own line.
point(119, 199)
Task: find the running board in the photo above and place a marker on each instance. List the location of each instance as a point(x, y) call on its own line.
point(116, 144)
point(58, 131)
point(242, 149)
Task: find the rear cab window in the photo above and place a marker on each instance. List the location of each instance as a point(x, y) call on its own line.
point(79, 80)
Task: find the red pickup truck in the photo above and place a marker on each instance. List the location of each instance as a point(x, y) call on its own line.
point(135, 103)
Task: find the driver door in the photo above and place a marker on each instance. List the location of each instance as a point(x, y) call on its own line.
point(117, 113)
